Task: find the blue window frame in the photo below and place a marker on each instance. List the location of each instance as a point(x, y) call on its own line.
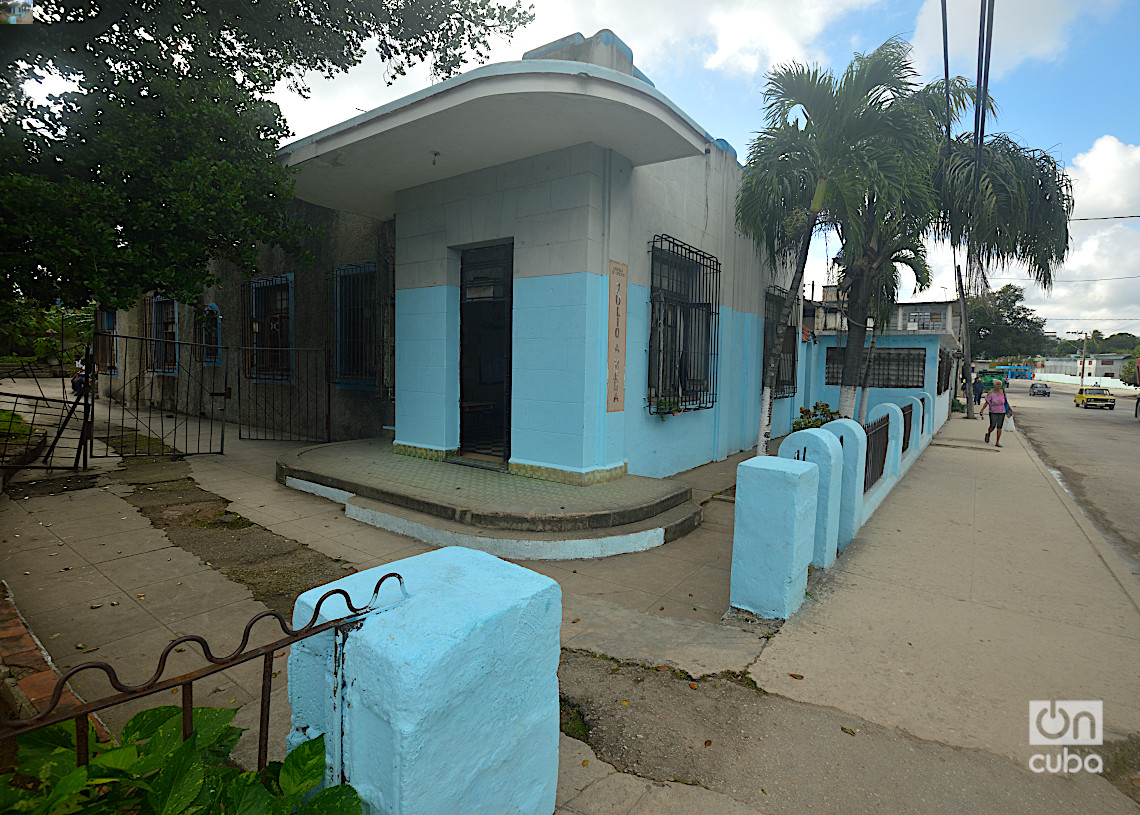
point(354, 293)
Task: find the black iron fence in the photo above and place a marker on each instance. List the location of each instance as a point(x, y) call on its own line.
point(878, 435)
point(908, 420)
point(13, 728)
point(285, 394)
point(153, 395)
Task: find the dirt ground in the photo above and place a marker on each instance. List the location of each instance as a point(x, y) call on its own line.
point(782, 756)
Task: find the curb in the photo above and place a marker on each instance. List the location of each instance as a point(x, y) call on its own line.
point(1104, 550)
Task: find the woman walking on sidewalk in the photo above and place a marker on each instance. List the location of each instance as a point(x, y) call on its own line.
point(999, 407)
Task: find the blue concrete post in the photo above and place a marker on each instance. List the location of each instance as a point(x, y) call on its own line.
point(928, 414)
point(446, 702)
point(772, 537)
point(917, 441)
point(853, 439)
point(894, 436)
point(822, 449)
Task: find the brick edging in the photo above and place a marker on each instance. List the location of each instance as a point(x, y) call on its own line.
point(21, 651)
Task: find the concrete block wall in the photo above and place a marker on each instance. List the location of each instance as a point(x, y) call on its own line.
point(693, 200)
point(774, 528)
point(400, 696)
point(807, 504)
point(548, 207)
point(569, 213)
point(823, 449)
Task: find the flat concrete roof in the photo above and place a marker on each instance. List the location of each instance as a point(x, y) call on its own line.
point(489, 116)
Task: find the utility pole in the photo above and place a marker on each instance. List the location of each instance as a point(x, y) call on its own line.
point(967, 366)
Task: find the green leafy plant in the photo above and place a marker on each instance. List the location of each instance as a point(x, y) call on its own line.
point(152, 771)
point(817, 416)
point(957, 406)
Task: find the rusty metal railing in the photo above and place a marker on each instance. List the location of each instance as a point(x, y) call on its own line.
point(908, 422)
point(13, 728)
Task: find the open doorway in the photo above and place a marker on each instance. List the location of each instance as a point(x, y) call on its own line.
point(485, 353)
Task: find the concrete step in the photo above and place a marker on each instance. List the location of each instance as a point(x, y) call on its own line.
point(565, 544)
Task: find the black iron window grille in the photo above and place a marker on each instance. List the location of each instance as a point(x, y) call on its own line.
point(160, 326)
point(786, 373)
point(683, 304)
point(890, 367)
point(355, 323)
point(269, 328)
point(945, 363)
point(209, 339)
point(106, 341)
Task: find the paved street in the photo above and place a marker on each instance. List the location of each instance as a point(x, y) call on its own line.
point(1097, 453)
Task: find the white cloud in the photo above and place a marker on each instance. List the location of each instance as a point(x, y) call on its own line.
point(1024, 31)
point(1106, 179)
point(738, 37)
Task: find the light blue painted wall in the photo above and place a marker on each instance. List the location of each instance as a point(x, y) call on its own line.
point(659, 448)
point(558, 414)
point(427, 367)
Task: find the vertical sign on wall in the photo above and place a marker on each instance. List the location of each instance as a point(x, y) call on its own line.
point(615, 377)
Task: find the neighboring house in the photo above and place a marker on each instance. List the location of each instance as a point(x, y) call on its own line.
point(1096, 365)
point(534, 265)
point(918, 352)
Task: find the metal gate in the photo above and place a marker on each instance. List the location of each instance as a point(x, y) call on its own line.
point(154, 396)
point(284, 394)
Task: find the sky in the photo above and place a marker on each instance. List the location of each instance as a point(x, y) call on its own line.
point(1063, 76)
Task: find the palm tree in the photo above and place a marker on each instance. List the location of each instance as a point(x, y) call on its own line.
point(895, 221)
point(872, 282)
point(828, 139)
point(1016, 211)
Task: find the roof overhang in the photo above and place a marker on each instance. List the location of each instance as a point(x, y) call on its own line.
point(489, 116)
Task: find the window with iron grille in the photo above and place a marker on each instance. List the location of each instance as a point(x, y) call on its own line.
point(945, 363)
point(355, 315)
point(107, 341)
point(209, 332)
point(890, 367)
point(268, 302)
point(786, 373)
point(160, 326)
point(683, 301)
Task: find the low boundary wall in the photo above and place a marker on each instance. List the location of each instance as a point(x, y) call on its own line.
point(804, 506)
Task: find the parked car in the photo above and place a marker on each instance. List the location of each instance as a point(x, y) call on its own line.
point(1039, 389)
point(1094, 397)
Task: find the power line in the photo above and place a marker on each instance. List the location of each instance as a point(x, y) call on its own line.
point(1082, 280)
point(1106, 218)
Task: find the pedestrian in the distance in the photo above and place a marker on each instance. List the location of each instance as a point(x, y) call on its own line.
point(979, 389)
point(999, 408)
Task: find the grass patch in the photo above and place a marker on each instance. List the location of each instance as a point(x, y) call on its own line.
point(572, 722)
point(225, 520)
point(13, 428)
point(139, 444)
point(739, 678)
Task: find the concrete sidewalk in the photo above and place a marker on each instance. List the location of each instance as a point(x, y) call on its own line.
point(976, 587)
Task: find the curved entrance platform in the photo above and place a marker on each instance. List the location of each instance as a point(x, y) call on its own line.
point(445, 504)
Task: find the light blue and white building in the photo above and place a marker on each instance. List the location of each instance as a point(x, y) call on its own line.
point(572, 298)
